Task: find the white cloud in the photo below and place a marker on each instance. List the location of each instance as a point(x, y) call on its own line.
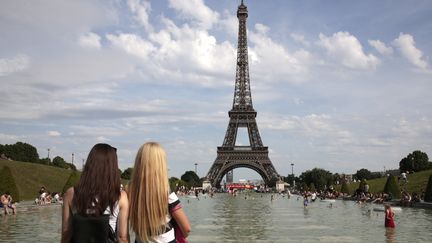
point(54, 133)
point(102, 139)
point(132, 44)
point(11, 65)
point(141, 9)
point(406, 44)
point(299, 39)
point(229, 23)
point(381, 47)
point(311, 125)
point(271, 61)
point(179, 53)
point(10, 138)
point(347, 49)
point(91, 40)
point(197, 11)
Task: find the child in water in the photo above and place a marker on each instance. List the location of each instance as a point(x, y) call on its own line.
point(305, 201)
point(389, 217)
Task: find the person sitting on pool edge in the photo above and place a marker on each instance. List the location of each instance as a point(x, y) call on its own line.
point(6, 202)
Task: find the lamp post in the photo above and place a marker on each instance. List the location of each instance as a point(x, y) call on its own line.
point(196, 164)
point(292, 173)
point(48, 152)
point(72, 157)
point(292, 169)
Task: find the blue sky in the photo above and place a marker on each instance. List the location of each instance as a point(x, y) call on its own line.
point(339, 85)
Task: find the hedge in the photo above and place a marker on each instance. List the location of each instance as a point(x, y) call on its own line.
point(344, 187)
point(392, 187)
point(7, 184)
point(428, 193)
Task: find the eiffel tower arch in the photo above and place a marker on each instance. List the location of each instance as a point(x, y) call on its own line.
point(242, 115)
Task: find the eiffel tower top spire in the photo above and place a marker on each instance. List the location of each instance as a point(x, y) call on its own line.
point(242, 93)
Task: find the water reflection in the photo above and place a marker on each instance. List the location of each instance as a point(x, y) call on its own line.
point(243, 222)
point(390, 235)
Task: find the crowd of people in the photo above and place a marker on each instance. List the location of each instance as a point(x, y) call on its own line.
point(407, 200)
point(45, 197)
point(98, 210)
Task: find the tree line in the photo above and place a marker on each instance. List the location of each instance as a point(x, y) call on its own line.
point(316, 178)
point(320, 179)
point(189, 179)
point(24, 152)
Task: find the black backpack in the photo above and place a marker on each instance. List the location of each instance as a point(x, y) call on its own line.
point(92, 229)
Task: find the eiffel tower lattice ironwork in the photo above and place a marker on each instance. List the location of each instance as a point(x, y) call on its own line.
point(229, 156)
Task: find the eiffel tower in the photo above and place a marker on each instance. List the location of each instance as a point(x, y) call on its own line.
point(229, 156)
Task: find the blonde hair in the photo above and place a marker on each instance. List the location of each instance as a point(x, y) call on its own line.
point(148, 192)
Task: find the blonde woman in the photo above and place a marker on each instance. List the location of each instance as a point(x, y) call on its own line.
point(154, 211)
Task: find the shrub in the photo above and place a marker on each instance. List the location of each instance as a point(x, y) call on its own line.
point(392, 187)
point(7, 183)
point(72, 181)
point(344, 187)
point(428, 193)
point(362, 185)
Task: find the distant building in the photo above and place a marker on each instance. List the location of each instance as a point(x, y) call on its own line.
point(230, 177)
point(348, 178)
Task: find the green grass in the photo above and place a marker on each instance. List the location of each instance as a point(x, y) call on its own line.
point(416, 183)
point(30, 177)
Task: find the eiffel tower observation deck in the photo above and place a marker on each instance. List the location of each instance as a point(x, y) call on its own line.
point(242, 115)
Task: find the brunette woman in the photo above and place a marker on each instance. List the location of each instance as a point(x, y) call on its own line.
point(96, 210)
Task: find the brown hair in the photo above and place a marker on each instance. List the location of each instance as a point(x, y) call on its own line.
point(99, 185)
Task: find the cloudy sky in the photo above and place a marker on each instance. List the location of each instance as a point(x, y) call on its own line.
point(339, 85)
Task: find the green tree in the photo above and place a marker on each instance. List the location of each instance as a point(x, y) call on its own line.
point(337, 178)
point(7, 183)
point(319, 177)
point(191, 178)
point(272, 182)
point(392, 187)
point(415, 161)
point(45, 161)
point(59, 162)
point(70, 166)
point(363, 174)
point(175, 183)
point(127, 173)
point(428, 192)
point(73, 180)
point(21, 152)
point(290, 179)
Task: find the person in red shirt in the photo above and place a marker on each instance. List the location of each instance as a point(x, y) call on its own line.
point(389, 217)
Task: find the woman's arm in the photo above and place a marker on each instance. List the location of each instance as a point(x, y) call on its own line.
point(182, 221)
point(123, 218)
point(66, 232)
